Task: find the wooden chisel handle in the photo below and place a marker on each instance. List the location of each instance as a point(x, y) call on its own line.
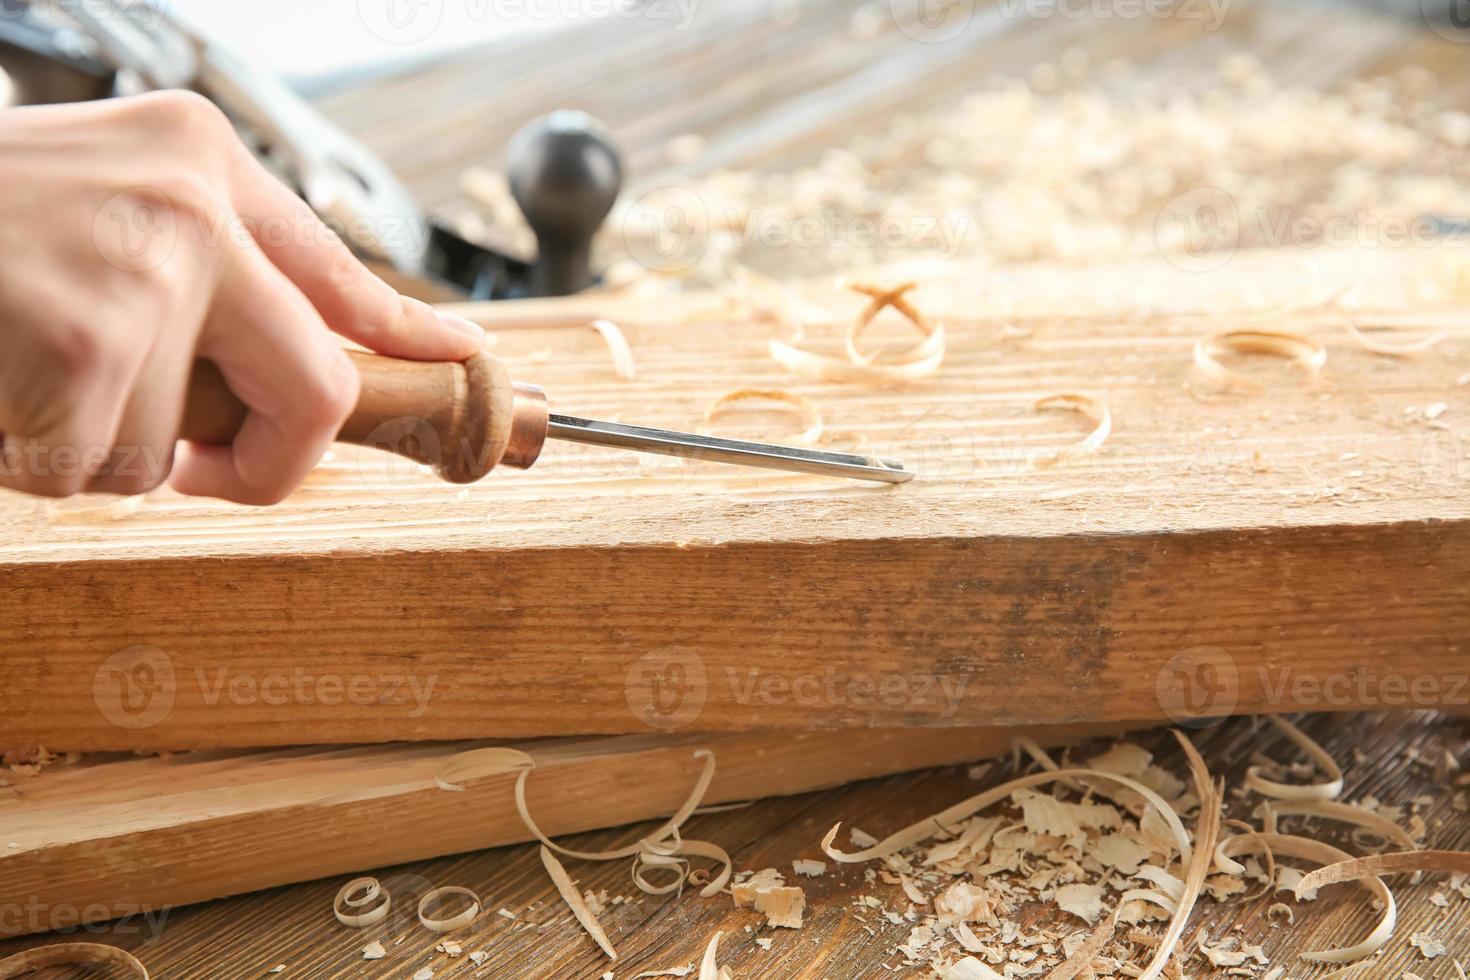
point(460, 418)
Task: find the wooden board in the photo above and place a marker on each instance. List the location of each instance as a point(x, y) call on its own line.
point(134, 836)
point(242, 938)
point(1302, 545)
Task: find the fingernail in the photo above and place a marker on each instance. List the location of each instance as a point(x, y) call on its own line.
point(458, 323)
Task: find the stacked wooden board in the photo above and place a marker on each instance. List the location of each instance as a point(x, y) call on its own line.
point(1299, 542)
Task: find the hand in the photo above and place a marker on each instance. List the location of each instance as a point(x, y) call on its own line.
point(139, 234)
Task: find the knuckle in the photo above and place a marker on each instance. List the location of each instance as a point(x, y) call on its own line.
point(80, 353)
point(186, 113)
point(331, 394)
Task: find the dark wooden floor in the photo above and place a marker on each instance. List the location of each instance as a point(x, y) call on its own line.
point(765, 89)
point(247, 936)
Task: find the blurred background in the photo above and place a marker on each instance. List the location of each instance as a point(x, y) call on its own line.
point(782, 138)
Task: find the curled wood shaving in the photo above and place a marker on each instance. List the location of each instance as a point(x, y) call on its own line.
point(1081, 958)
point(1307, 849)
point(1343, 813)
point(1398, 862)
point(918, 361)
point(354, 895)
point(805, 407)
point(950, 816)
point(1211, 802)
point(708, 968)
point(1228, 865)
point(479, 764)
point(462, 918)
point(1328, 789)
point(617, 345)
point(1090, 405)
point(661, 849)
point(71, 954)
point(1398, 348)
point(1309, 352)
point(576, 903)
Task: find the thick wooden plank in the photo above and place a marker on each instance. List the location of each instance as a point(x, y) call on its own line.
point(115, 837)
point(1308, 533)
point(244, 937)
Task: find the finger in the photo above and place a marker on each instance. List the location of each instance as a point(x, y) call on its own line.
point(350, 298)
point(278, 357)
point(143, 450)
point(57, 424)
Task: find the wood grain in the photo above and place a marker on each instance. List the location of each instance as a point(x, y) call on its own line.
point(1398, 758)
point(192, 827)
point(1311, 536)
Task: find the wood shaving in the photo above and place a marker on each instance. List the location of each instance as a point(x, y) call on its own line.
point(918, 361)
point(969, 968)
point(374, 951)
point(1198, 863)
point(1081, 958)
point(1309, 352)
point(1397, 348)
point(811, 415)
point(354, 895)
point(662, 849)
point(462, 918)
point(1398, 862)
point(617, 345)
point(576, 903)
point(1089, 405)
point(952, 815)
point(93, 509)
point(1308, 849)
point(783, 906)
point(708, 968)
point(809, 868)
point(464, 767)
point(1427, 945)
point(71, 954)
point(1328, 789)
point(1082, 900)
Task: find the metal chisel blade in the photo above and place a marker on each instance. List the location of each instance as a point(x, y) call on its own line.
point(692, 446)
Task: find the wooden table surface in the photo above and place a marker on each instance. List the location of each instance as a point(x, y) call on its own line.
point(768, 85)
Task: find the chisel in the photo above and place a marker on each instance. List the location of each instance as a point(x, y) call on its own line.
point(463, 419)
